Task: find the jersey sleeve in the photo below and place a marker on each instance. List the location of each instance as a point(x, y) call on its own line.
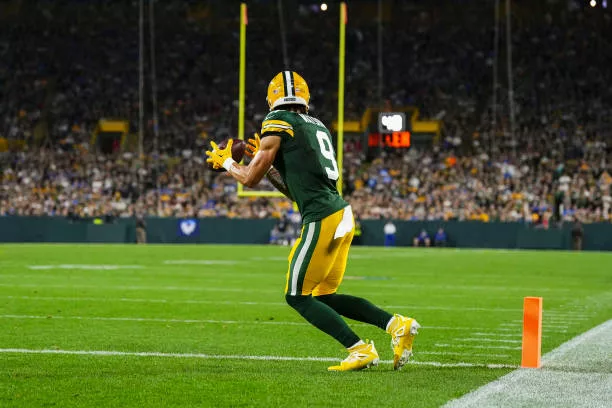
point(276, 123)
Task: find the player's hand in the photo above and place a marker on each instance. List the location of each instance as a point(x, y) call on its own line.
point(252, 147)
point(216, 156)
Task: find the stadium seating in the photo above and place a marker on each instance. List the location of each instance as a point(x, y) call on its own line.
point(79, 63)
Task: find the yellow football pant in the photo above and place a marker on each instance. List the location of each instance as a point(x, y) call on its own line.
point(317, 261)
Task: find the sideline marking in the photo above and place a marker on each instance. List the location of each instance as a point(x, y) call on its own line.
point(237, 357)
point(569, 377)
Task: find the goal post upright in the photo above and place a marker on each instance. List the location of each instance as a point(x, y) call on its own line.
point(241, 103)
point(241, 192)
point(340, 122)
point(242, 70)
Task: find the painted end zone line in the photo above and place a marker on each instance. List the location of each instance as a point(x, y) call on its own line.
point(235, 357)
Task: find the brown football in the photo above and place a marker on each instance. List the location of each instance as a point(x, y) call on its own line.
point(237, 151)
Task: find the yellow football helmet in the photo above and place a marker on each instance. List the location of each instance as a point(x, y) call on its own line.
point(288, 88)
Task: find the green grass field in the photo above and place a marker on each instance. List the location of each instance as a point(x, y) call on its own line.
point(208, 326)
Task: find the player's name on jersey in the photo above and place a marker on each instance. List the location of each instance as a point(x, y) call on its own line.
point(312, 120)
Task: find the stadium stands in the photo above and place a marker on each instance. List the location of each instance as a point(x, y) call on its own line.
point(79, 63)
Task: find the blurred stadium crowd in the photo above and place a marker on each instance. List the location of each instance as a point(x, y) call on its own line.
point(66, 64)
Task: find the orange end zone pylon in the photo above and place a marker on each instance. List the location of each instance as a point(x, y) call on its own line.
point(532, 332)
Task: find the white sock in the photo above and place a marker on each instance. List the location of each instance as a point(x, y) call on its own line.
point(389, 323)
point(359, 343)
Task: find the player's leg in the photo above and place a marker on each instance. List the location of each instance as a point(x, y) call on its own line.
point(353, 307)
point(308, 265)
point(402, 329)
point(306, 268)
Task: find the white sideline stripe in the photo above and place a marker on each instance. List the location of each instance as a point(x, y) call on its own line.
point(472, 346)
point(295, 273)
point(553, 388)
point(489, 340)
point(236, 357)
point(220, 302)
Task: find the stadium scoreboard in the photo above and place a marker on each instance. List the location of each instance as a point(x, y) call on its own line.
point(392, 131)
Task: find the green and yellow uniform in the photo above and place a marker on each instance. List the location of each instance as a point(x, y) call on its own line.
point(307, 164)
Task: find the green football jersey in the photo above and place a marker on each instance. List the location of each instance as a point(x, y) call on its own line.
point(307, 162)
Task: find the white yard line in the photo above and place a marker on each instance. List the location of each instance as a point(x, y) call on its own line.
point(473, 346)
point(190, 321)
point(489, 340)
point(496, 334)
point(85, 267)
point(214, 321)
point(221, 302)
point(152, 319)
point(517, 329)
point(545, 325)
point(235, 357)
point(465, 353)
point(370, 285)
point(201, 262)
point(133, 287)
point(140, 300)
point(576, 374)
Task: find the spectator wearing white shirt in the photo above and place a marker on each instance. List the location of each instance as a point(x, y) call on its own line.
point(389, 230)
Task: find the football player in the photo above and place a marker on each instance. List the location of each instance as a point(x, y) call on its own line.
point(295, 153)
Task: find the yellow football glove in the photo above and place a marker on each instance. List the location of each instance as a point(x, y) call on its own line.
point(252, 147)
point(219, 158)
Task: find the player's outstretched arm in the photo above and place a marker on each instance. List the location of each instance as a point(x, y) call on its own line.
point(252, 174)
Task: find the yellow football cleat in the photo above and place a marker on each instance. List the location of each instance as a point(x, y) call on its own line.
point(360, 357)
point(402, 331)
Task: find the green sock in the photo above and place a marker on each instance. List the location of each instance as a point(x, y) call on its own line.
point(323, 318)
point(357, 309)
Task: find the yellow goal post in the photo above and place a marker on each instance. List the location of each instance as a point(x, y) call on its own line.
point(242, 89)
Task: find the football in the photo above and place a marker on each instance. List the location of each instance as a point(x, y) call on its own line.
point(237, 151)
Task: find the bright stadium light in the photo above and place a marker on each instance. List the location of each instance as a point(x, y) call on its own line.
point(593, 3)
point(323, 6)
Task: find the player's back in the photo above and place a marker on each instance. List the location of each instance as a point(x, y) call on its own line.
point(307, 163)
